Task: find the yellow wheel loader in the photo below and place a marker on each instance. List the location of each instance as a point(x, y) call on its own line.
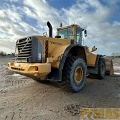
point(62, 59)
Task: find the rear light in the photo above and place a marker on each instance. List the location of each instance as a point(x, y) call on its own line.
point(36, 68)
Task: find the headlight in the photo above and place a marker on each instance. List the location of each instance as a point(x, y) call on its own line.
point(39, 56)
point(16, 51)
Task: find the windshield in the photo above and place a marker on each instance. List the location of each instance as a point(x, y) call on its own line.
point(65, 33)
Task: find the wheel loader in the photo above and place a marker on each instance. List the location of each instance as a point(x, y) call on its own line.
point(62, 59)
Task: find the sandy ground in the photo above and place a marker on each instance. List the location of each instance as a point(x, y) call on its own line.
point(22, 98)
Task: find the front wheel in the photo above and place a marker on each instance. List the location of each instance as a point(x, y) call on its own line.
point(74, 73)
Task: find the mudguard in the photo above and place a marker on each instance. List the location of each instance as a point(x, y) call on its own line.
point(56, 73)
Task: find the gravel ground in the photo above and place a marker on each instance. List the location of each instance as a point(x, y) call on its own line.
point(22, 98)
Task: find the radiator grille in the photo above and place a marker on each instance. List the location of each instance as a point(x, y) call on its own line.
point(24, 47)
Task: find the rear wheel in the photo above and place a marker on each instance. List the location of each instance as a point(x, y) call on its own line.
point(74, 73)
point(101, 68)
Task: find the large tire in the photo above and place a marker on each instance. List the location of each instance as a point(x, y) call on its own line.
point(74, 73)
point(101, 68)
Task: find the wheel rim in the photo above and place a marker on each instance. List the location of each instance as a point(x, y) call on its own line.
point(78, 74)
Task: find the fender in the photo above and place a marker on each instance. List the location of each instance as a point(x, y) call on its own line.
point(96, 63)
point(94, 70)
point(71, 50)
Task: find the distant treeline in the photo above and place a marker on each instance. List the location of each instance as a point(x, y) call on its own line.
point(115, 54)
point(2, 53)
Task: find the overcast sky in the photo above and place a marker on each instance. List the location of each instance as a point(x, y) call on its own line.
point(101, 18)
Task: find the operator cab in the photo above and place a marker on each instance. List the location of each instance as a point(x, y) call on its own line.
point(72, 32)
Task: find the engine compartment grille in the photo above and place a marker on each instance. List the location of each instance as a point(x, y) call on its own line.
point(24, 47)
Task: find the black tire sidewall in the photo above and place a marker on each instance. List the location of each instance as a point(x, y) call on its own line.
point(77, 86)
point(100, 71)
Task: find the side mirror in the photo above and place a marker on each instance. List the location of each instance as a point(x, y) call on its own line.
point(93, 49)
point(85, 33)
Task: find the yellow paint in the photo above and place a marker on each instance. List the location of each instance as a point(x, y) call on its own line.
point(56, 42)
point(91, 58)
point(109, 66)
point(100, 113)
point(29, 69)
point(57, 54)
point(53, 44)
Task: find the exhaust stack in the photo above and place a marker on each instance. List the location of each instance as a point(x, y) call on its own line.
point(50, 28)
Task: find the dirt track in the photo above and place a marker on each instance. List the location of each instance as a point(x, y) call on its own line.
point(22, 98)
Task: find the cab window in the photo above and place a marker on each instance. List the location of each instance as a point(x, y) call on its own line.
point(65, 33)
point(79, 37)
